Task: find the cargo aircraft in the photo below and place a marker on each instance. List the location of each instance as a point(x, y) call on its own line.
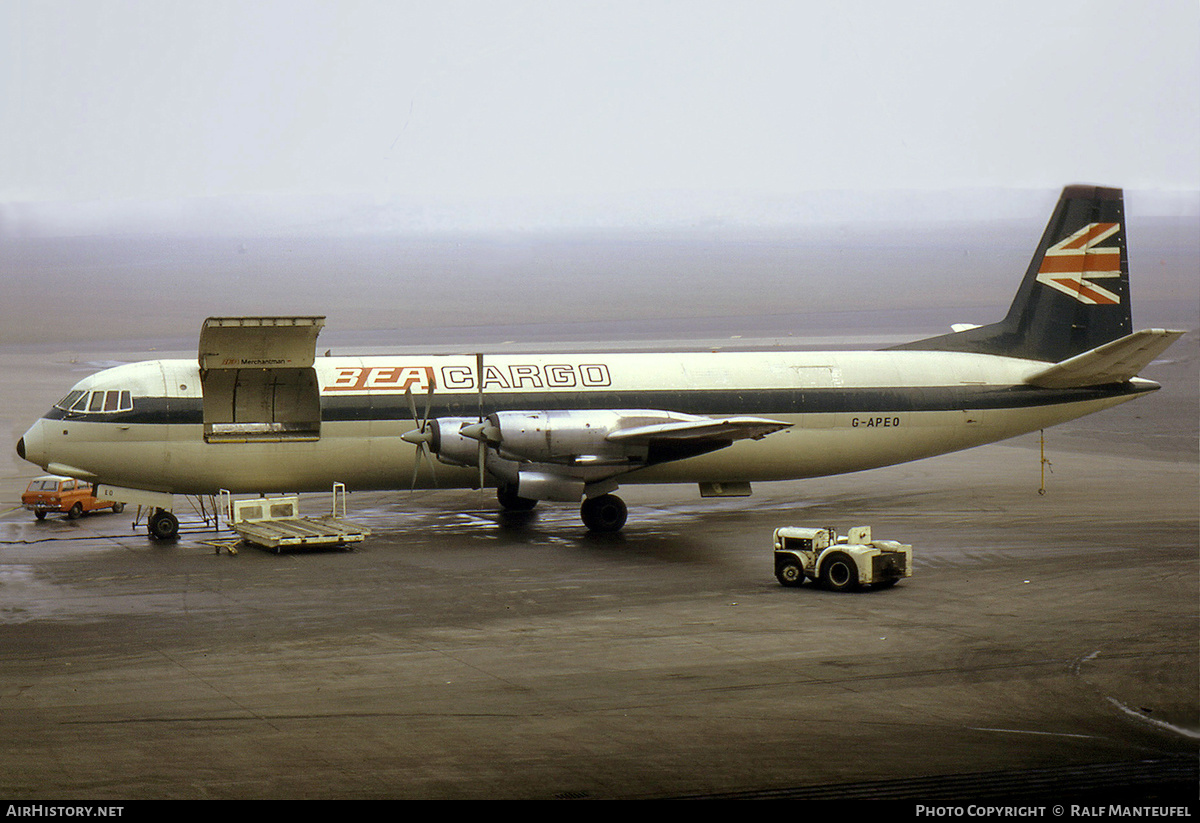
point(258, 412)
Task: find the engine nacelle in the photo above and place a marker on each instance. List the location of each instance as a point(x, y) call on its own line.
point(450, 445)
point(536, 485)
point(561, 436)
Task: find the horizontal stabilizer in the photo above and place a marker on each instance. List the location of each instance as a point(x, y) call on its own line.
point(729, 428)
point(1113, 362)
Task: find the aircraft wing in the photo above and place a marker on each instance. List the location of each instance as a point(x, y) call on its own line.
point(559, 454)
point(1113, 362)
point(713, 430)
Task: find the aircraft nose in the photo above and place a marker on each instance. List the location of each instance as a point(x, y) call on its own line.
point(31, 446)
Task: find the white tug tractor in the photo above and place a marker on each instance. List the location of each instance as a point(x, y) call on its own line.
point(839, 564)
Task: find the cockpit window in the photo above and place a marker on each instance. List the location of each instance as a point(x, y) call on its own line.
point(67, 402)
point(114, 400)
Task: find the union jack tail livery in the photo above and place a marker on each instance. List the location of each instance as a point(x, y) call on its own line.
point(1075, 295)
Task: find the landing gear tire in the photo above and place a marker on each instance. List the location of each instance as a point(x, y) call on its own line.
point(839, 574)
point(163, 525)
point(789, 574)
point(513, 502)
point(606, 513)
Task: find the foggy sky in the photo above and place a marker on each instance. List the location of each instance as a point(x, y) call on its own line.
point(647, 109)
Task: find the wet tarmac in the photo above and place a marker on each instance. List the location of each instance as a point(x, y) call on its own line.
point(460, 654)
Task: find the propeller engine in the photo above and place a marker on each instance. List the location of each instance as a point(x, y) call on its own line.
point(423, 436)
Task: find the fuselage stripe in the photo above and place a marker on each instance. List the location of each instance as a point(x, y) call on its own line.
point(363, 407)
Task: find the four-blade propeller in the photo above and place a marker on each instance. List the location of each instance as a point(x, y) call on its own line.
point(422, 436)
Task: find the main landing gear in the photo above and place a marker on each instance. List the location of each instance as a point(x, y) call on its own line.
point(510, 501)
point(605, 513)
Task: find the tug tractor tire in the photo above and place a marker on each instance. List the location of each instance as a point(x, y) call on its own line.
point(118, 508)
point(789, 573)
point(76, 511)
point(513, 502)
point(605, 514)
point(163, 525)
point(39, 514)
point(839, 573)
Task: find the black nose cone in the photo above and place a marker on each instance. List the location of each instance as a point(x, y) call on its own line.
point(21, 448)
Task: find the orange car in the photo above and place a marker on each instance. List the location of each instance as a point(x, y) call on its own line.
point(63, 494)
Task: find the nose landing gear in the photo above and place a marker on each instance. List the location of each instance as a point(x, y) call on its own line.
point(163, 525)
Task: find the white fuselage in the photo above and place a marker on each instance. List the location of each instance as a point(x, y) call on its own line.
point(847, 411)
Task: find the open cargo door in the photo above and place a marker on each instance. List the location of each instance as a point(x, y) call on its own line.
point(258, 379)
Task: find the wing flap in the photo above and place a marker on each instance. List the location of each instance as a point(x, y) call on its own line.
point(1113, 362)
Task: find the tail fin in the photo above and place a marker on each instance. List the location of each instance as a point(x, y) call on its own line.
point(1075, 295)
